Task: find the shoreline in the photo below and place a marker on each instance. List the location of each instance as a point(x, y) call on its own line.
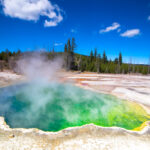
point(78, 79)
point(84, 137)
point(91, 136)
point(145, 107)
point(111, 84)
point(82, 80)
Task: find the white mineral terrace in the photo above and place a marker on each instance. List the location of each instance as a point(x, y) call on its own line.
point(8, 78)
point(88, 137)
point(130, 87)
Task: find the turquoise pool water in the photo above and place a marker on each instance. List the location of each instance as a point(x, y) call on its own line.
point(55, 106)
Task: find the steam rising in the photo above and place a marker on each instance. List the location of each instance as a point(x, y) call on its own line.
point(37, 66)
point(45, 103)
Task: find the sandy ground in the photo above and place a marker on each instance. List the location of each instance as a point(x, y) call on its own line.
point(88, 137)
point(8, 78)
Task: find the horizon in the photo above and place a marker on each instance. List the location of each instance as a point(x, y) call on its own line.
point(114, 26)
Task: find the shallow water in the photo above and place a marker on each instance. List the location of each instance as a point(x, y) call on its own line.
point(55, 106)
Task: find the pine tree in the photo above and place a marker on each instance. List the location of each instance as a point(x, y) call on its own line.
point(69, 46)
point(95, 54)
point(120, 59)
point(73, 47)
point(69, 54)
point(98, 59)
point(65, 49)
point(66, 56)
point(104, 58)
point(80, 63)
point(91, 56)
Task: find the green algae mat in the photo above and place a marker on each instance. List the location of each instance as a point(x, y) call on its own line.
point(55, 106)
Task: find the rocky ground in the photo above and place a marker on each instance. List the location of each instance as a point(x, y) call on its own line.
point(89, 137)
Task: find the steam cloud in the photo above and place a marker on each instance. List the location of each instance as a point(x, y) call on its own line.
point(40, 72)
point(42, 102)
point(42, 88)
point(36, 66)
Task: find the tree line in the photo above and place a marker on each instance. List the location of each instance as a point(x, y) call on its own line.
point(95, 62)
point(8, 59)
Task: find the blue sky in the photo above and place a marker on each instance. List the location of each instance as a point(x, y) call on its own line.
point(111, 25)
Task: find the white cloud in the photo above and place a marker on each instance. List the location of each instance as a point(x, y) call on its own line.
point(114, 26)
point(54, 22)
point(148, 18)
point(58, 44)
point(130, 33)
point(32, 10)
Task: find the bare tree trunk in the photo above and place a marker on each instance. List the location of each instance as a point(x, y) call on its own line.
point(1, 66)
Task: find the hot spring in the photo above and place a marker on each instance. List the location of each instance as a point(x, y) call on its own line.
point(56, 106)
